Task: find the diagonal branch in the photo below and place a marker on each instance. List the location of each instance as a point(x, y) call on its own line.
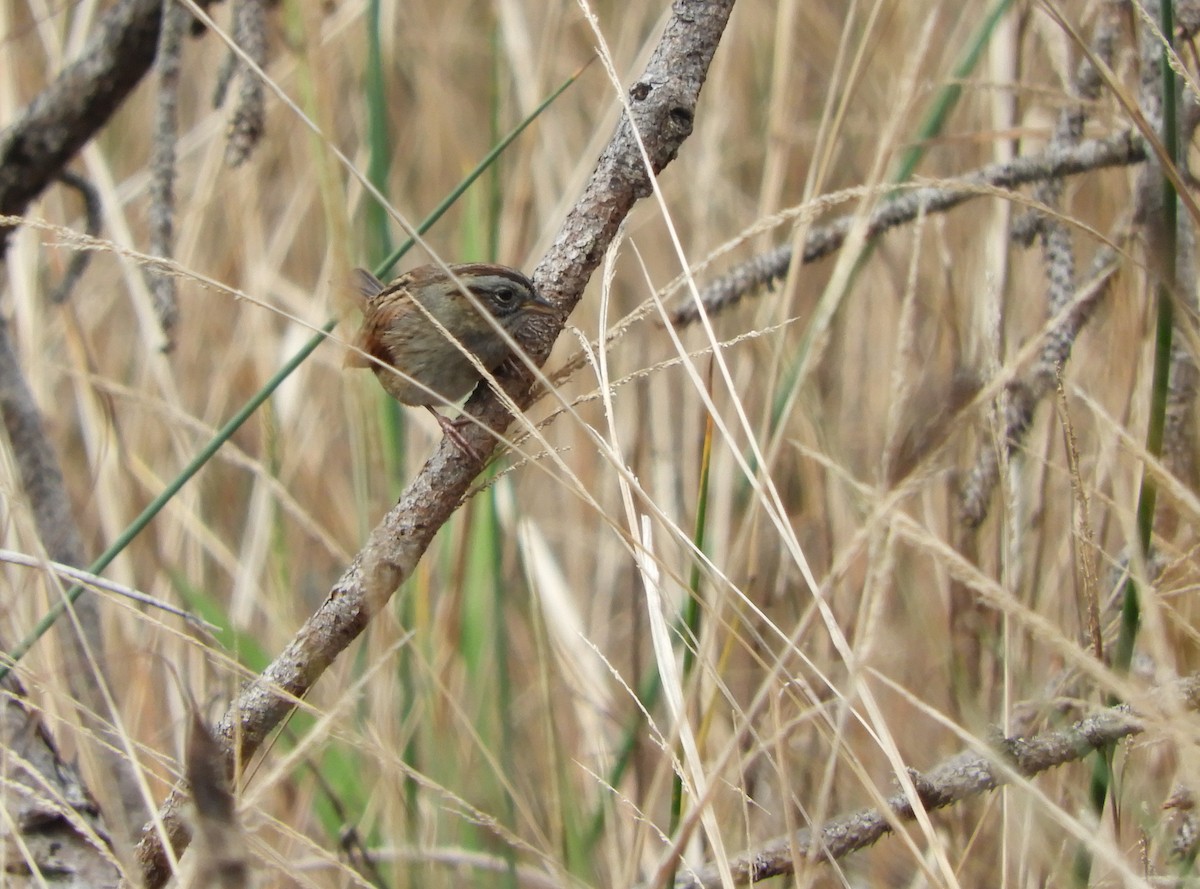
point(663, 103)
point(964, 776)
point(35, 148)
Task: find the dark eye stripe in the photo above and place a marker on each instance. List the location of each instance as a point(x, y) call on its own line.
point(503, 294)
point(516, 277)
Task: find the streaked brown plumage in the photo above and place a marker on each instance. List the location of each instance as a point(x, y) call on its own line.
point(397, 333)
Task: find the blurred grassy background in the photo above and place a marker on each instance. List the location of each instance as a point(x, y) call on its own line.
point(473, 729)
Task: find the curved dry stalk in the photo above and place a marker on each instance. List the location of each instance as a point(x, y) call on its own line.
point(162, 288)
point(663, 102)
point(78, 262)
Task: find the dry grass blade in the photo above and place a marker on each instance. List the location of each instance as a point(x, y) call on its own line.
point(966, 775)
point(665, 97)
point(797, 459)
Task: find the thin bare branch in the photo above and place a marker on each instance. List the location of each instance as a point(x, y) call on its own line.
point(663, 103)
point(761, 271)
point(1021, 397)
point(964, 776)
point(93, 219)
point(35, 148)
point(34, 151)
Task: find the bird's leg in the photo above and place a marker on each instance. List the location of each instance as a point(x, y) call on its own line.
point(452, 429)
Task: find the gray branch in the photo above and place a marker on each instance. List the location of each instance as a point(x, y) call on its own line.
point(763, 270)
point(663, 103)
point(34, 150)
point(966, 775)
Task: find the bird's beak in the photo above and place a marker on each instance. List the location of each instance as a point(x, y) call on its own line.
point(539, 305)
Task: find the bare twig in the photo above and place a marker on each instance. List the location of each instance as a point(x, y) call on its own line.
point(663, 103)
point(35, 148)
point(41, 477)
point(761, 271)
point(34, 151)
point(93, 219)
point(966, 775)
point(85, 578)
point(1023, 395)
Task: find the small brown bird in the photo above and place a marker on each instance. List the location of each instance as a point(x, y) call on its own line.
point(396, 332)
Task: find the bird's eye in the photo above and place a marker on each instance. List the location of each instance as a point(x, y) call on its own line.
point(505, 296)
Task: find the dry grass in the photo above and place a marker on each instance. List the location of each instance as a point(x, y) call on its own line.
point(481, 714)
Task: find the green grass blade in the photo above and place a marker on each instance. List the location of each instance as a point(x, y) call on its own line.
point(691, 609)
point(1103, 773)
point(256, 401)
point(383, 270)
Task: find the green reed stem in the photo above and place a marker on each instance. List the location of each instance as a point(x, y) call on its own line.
point(692, 612)
point(487, 161)
point(256, 401)
point(1102, 770)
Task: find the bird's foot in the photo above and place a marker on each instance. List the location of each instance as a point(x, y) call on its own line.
point(452, 429)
